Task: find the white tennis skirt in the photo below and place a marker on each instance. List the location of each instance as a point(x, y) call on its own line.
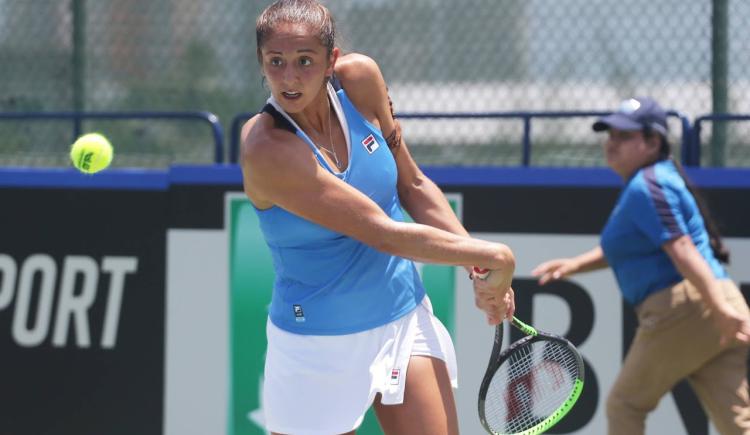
point(324, 384)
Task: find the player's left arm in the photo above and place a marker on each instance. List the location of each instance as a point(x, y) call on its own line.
point(420, 196)
point(426, 204)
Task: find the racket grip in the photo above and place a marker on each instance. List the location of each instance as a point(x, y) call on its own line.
point(478, 272)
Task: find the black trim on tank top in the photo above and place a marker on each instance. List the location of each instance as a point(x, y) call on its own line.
point(278, 119)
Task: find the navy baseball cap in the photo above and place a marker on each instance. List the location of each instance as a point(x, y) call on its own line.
point(635, 114)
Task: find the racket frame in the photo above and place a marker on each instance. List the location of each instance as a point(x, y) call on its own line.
point(499, 356)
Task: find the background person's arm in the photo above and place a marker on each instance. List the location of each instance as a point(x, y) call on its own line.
point(693, 267)
point(562, 267)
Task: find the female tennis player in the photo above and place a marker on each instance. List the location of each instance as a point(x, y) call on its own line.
point(325, 167)
point(693, 322)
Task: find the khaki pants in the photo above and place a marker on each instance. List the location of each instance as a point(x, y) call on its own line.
point(676, 340)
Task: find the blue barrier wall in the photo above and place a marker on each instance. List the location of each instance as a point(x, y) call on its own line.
point(85, 266)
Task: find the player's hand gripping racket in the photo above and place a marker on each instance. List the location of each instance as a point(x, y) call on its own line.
point(530, 386)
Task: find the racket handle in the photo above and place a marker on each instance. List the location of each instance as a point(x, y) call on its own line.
point(478, 272)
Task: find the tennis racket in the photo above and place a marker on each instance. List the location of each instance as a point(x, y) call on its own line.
point(532, 385)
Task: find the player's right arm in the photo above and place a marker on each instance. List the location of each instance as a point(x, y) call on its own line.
point(562, 267)
point(279, 169)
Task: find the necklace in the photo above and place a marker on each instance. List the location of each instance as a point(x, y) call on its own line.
point(332, 151)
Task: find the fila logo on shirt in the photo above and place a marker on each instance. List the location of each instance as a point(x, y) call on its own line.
point(370, 144)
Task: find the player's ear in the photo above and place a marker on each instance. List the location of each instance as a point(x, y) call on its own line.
point(334, 56)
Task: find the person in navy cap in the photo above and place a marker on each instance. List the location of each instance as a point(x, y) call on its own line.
point(693, 322)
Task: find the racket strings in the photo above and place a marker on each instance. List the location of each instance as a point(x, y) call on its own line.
point(532, 384)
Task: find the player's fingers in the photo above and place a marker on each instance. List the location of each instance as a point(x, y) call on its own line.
point(493, 318)
point(493, 308)
point(479, 303)
point(489, 292)
point(485, 303)
point(510, 300)
point(485, 291)
point(510, 308)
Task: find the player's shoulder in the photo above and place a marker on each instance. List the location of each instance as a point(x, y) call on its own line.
point(263, 143)
point(358, 69)
point(361, 78)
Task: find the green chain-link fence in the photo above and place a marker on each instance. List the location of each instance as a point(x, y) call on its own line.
point(437, 55)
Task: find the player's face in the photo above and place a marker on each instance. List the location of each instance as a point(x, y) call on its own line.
point(626, 151)
point(295, 64)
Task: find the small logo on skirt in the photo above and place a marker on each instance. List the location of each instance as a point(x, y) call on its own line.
point(394, 376)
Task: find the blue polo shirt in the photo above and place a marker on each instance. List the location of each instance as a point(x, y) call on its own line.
point(654, 207)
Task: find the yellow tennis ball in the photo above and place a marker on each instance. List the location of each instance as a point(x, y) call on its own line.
point(91, 153)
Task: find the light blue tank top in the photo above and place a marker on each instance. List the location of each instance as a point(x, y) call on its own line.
point(327, 283)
